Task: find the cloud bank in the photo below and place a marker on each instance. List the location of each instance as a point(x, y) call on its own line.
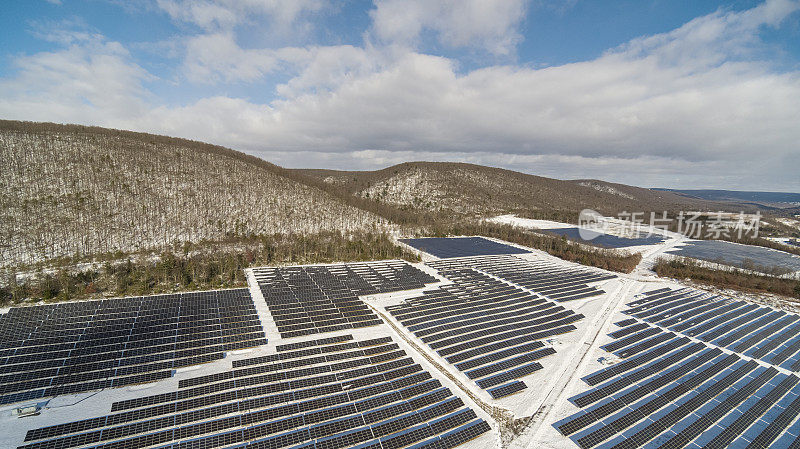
point(699, 106)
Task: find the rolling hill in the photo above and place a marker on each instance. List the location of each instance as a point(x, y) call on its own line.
point(69, 190)
point(478, 190)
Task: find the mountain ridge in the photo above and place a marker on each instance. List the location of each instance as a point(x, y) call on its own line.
point(71, 190)
point(74, 190)
point(437, 186)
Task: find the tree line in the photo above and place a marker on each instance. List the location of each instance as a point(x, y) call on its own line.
point(202, 266)
point(559, 246)
point(738, 279)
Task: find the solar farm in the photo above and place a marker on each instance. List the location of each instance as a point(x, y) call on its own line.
point(485, 344)
point(699, 371)
point(610, 241)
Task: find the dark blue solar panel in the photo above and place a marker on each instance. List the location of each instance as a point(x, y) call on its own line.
point(710, 399)
point(737, 255)
point(599, 239)
point(461, 246)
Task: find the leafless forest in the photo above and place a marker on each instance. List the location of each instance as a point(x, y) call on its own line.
point(75, 191)
point(198, 214)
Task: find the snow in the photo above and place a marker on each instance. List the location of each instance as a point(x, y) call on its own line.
point(69, 408)
point(529, 223)
point(605, 188)
point(578, 354)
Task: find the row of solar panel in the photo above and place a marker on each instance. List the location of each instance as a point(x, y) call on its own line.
point(485, 327)
point(44, 322)
point(120, 358)
point(755, 331)
point(250, 395)
point(299, 358)
point(82, 373)
point(124, 309)
point(36, 335)
point(332, 328)
point(287, 380)
point(682, 394)
point(556, 282)
point(89, 339)
point(538, 271)
point(89, 359)
point(314, 312)
point(142, 347)
point(461, 246)
point(189, 303)
point(134, 344)
point(109, 379)
point(395, 406)
point(324, 298)
point(112, 341)
point(40, 328)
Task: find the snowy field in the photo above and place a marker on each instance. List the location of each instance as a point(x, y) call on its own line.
point(542, 404)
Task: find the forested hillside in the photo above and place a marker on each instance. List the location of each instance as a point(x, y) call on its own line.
point(198, 214)
point(473, 189)
point(69, 190)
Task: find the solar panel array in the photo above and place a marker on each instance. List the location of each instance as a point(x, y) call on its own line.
point(83, 346)
point(592, 237)
point(461, 246)
point(760, 332)
point(305, 300)
point(677, 388)
point(556, 282)
point(486, 328)
point(326, 394)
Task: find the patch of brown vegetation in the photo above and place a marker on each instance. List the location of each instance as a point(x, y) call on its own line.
point(682, 268)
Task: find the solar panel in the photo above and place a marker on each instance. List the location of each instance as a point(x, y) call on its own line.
point(672, 396)
point(553, 281)
point(314, 299)
point(485, 327)
point(391, 401)
point(461, 246)
point(507, 389)
point(91, 345)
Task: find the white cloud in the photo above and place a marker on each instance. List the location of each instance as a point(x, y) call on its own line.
point(213, 58)
point(692, 107)
point(225, 14)
point(216, 57)
point(64, 32)
point(323, 69)
point(92, 80)
point(488, 24)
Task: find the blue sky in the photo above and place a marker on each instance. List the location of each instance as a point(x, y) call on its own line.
point(682, 94)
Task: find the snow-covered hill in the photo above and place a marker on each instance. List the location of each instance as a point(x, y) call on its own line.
point(72, 190)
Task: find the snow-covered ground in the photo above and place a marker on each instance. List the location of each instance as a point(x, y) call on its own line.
point(578, 354)
point(792, 243)
point(69, 408)
point(529, 222)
